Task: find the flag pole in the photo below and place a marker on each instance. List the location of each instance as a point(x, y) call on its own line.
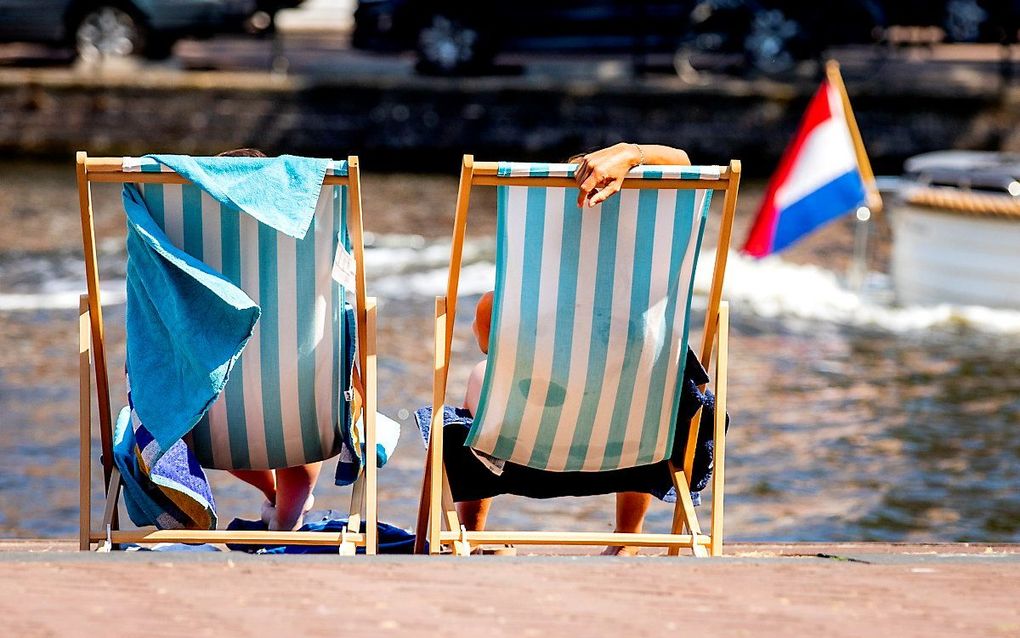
point(864, 164)
point(859, 266)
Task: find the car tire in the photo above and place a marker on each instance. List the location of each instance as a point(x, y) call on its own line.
point(768, 46)
point(108, 31)
point(449, 46)
point(260, 23)
point(683, 64)
point(158, 47)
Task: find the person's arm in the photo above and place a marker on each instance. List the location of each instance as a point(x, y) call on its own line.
point(601, 173)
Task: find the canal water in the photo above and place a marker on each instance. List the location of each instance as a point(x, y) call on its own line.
point(852, 418)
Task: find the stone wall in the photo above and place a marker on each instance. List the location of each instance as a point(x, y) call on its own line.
point(426, 123)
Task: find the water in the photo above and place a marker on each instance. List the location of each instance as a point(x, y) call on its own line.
point(852, 419)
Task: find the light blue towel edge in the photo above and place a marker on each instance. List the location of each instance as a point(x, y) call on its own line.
point(307, 171)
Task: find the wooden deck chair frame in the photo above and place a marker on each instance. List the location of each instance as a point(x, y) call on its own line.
point(436, 512)
point(92, 357)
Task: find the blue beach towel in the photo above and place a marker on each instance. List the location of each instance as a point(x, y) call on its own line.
point(171, 293)
point(187, 325)
point(278, 191)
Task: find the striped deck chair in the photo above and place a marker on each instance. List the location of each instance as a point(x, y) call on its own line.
point(282, 404)
point(589, 336)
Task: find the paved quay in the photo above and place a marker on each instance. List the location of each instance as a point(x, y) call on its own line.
point(851, 589)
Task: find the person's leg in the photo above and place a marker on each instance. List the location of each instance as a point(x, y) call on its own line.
point(264, 480)
point(293, 487)
point(473, 394)
point(474, 513)
point(631, 508)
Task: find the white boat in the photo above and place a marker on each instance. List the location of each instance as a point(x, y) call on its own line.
point(956, 230)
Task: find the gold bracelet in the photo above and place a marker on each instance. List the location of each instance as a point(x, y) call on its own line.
point(641, 154)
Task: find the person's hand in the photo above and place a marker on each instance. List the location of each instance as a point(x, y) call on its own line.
point(601, 174)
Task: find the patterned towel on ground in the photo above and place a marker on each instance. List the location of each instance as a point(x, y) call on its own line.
point(392, 539)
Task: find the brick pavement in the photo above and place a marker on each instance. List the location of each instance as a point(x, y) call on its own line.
point(47, 589)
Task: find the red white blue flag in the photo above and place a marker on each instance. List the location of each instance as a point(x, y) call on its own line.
point(818, 180)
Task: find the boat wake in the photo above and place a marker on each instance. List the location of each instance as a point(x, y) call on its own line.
point(773, 288)
point(406, 268)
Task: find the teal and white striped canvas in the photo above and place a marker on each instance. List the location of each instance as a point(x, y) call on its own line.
point(590, 322)
point(283, 404)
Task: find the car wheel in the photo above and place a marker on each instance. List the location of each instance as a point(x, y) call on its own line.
point(447, 46)
point(260, 23)
point(683, 64)
point(108, 32)
point(768, 43)
point(158, 47)
point(965, 20)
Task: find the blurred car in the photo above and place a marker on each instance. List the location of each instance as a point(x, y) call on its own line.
point(110, 28)
point(262, 20)
point(456, 36)
point(960, 20)
point(772, 36)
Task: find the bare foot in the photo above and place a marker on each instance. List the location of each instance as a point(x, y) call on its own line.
point(276, 524)
point(620, 550)
point(494, 550)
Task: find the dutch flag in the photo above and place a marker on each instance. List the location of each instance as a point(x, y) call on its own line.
point(818, 180)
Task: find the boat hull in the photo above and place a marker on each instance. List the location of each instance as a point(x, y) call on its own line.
point(943, 256)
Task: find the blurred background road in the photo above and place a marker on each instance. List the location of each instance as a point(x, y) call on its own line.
point(408, 81)
point(591, 40)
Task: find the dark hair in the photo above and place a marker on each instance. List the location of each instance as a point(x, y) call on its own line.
point(242, 152)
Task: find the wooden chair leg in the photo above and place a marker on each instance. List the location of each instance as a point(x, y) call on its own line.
point(684, 515)
point(436, 431)
point(356, 510)
point(371, 517)
point(719, 433)
point(95, 315)
point(110, 511)
point(421, 527)
point(450, 517)
point(346, 547)
point(692, 521)
point(85, 426)
point(679, 520)
point(371, 468)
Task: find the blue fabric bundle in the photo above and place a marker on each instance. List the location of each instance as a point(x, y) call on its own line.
point(392, 539)
point(278, 191)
